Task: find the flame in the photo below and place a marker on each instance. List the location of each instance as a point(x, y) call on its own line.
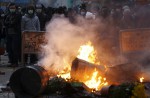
point(87, 53)
point(96, 82)
point(65, 76)
point(141, 79)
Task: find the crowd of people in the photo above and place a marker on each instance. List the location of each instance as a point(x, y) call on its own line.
point(16, 19)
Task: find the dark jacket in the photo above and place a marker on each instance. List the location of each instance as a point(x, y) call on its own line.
point(13, 22)
point(43, 18)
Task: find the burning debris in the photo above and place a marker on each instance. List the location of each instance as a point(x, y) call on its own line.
point(86, 79)
point(70, 67)
point(34, 81)
point(92, 75)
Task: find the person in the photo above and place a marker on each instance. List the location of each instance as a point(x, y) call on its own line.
point(42, 16)
point(127, 21)
point(2, 34)
point(30, 22)
point(12, 24)
point(82, 12)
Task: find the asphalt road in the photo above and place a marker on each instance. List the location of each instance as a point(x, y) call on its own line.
point(4, 78)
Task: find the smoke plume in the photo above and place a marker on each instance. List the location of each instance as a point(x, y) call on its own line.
point(63, 42)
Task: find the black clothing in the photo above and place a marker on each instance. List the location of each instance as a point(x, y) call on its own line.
point(13, 30)
point(43, 18)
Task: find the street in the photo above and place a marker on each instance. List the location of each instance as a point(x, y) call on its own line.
point(4, 78)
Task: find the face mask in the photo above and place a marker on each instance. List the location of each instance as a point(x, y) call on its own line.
point(12, 10)
point(30, 11)
point(82, 13)
point(38, 10)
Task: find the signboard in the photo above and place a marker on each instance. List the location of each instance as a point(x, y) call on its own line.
point(135, 40)
point(31, 41)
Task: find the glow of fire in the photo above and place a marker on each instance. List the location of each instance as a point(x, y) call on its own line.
point(65, 76)
point(96, 82)
point(141, 79)
point(87, 53)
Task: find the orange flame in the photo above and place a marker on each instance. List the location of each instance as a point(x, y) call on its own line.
point(65, 76)
point(96, 82)
point(141, 79)
point(87, 53)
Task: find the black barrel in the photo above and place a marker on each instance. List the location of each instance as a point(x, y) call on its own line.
point(29, 81)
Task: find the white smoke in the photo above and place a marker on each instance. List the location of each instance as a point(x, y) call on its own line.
point(63, 42)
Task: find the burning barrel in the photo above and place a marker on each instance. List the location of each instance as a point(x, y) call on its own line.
point(82, 70)
point(128, 72)
point(29, 81)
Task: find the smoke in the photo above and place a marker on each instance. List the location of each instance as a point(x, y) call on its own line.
point(63, 42)
point(65, 38)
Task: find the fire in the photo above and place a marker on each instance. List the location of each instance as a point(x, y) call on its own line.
point(66, 72)
point(65, 76)
point(141, 79)
point(96, 82)
point(87, 53)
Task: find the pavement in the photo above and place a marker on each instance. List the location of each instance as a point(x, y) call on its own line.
point(4, 78)
point(5, 91)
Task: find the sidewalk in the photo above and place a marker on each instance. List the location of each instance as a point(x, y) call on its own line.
point(4, 78)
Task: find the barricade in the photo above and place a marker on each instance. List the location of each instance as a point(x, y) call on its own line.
point(31, 43)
